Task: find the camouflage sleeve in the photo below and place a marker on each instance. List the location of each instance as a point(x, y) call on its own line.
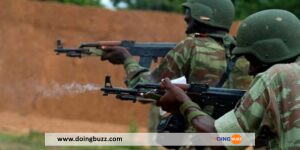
point(249, 114)
point(173, 65)
point(247, 117)
point(270, 102)
point(132, 69)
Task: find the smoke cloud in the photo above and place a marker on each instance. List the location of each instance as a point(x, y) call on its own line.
point(57, 90)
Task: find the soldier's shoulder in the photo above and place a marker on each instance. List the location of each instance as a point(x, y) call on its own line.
point(201, 40)
point(282, 72)
point(284, 68)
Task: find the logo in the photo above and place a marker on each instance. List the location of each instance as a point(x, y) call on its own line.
point(235, 139)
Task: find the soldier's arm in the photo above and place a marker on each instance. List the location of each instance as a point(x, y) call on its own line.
point(247, 117)
point(171, 66)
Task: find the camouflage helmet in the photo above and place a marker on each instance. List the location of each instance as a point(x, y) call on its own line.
point(215, 13)
point(270, 35)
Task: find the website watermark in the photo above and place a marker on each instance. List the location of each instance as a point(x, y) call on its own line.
point(149, 139)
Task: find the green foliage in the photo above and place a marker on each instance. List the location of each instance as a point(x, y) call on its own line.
point(79, 2)
point(133, 127)
point(34, 140)
point(243, 7)
point(163, 5)
point(247, 7)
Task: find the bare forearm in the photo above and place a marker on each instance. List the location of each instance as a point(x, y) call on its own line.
point(205, 124)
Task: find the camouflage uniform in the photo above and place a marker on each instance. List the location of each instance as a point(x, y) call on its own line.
point(200, 59)
point(272, 101)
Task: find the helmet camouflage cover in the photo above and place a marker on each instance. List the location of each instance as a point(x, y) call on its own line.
point(215, 13)
point(270, 35)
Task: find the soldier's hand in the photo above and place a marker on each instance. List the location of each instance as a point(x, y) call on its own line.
point(173, 97)
point(115, 54)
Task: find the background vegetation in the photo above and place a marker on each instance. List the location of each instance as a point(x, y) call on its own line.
point(243, 7)
point(162, 5)
point(247, 7)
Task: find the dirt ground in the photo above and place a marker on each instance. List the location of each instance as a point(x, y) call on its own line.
point(14, 123)
point(28, 65)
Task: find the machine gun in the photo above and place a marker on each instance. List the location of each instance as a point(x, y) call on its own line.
point(147, 51)
point(222, 99)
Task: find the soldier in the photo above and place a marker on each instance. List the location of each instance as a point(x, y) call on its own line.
point(201, 57)
point(270, 42)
